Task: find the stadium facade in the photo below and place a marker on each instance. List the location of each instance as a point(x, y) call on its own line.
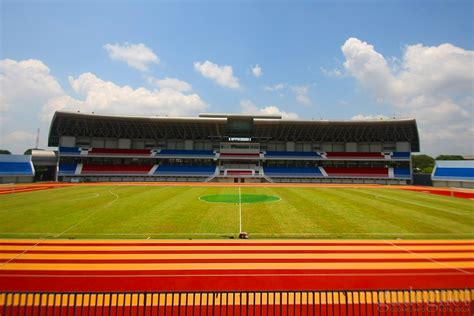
point(232, 148)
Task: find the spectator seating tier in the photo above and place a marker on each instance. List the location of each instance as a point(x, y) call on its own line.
point(117, 151)
point(8, 168)
point(185, 170)
point(239, 172)
point(250, 155)
point(401, 155)
point(67, 168)
point(454, 172)
point(115, 169)
point(180, 152)
point(356, 172)
point(401, 172)
point(361, 155)
point(70, 150)
point(291, 154)
point(292, 171)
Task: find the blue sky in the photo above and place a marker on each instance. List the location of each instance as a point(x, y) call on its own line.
point(311, 68)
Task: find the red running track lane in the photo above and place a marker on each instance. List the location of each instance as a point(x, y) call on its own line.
point(64, 265)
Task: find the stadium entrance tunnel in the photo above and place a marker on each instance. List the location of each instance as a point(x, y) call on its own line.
point(236, 198)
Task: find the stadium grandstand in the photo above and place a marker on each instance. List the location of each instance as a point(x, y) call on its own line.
point(232, 148)
point(453, 173)
point(16, 169)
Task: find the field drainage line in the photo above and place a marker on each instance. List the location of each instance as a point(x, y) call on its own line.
point(116, 197)
point(427, 258)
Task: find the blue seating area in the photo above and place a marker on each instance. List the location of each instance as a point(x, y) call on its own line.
point(401, 172)
point(292, 171)
point(16, 168)
point(69, 150)
point(454, 172)
point(400, 155)
point(184, 152)
point(185, 170)
point(67, 168)
point(291, 154)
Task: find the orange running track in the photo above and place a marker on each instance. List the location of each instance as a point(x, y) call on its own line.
point(182, 265)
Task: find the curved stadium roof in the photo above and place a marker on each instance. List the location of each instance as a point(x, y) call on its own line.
point(217, 126)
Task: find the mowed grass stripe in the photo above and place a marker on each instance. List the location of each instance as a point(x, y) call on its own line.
point(177, 212)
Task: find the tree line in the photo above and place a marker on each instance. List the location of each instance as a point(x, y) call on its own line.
point(425, 163)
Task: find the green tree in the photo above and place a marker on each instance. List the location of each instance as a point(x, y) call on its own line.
point(422, 163)
point(5, 152)
point(28, 151)
point(450, 157)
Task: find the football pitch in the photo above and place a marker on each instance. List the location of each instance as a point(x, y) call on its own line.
point(84, 212)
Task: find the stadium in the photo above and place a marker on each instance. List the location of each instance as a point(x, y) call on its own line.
point(145, 214)
point(232, 148)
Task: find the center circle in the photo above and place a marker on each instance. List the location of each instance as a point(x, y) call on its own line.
point(235, 198)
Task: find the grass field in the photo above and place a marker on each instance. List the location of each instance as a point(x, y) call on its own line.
point(180, 212)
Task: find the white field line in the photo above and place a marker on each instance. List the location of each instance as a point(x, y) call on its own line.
point(240, 211)
point(116, 197)
point(427, 258)
point(415, 203)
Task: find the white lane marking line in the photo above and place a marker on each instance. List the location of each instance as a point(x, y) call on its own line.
point(427, 258)
point(21, 253)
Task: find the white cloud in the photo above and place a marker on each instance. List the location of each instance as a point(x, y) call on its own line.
point(20, 136)
point(257, 71)
point(248, 107)
point(275, 87)
point(170, 83)
point(24, 83)
point(137, 56)
point(223, 75)
point(433, 84)
point(19, 141)
point(24, 87)
point(107, 97)
point(332, 73)
point(29, 96)
point(361, 117)
point(301, 93)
